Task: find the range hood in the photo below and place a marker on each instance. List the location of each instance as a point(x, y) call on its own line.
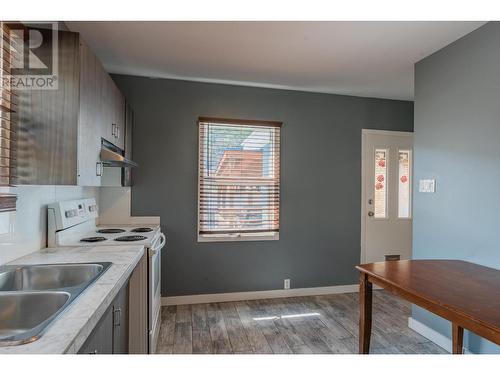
point(112, 156)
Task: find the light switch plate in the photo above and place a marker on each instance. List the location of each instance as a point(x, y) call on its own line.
point(427, 186)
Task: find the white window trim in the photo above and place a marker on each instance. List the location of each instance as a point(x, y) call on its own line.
point(239, 237)
point(410, 205)
point(387, 177)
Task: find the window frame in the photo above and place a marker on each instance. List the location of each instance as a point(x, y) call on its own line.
point(410, 184)
point(387, 177)
point(8, 124)
point(236, 237)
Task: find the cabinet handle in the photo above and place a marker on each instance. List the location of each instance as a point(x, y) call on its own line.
point(117, 317)
point(98, 169)
point(113, 130)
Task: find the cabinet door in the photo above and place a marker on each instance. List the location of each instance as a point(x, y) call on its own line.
point(116, 114)
point(129, 123)
point(89, 140)
point(105, 103)
point(100, 340)
point(138, 312)
point(111, 109)
point(48, 121)
point(119, 116)
point(121, 321)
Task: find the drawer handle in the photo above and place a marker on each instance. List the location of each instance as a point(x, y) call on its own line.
point(117, 316)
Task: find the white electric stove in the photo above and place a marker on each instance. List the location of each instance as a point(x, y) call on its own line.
point(73, 223)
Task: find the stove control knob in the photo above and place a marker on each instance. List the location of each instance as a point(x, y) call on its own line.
point(93, 208)
point(71, 213)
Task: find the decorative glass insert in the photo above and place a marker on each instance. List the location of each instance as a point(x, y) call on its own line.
point(404, 184)
point(381, 156)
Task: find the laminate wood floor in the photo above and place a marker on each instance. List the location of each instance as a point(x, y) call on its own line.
point(297, 325)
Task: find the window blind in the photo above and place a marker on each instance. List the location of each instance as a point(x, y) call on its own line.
point(8, 120)
point(239, 178)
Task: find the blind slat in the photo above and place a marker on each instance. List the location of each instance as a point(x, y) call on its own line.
point(239, 176)
point(237, 231)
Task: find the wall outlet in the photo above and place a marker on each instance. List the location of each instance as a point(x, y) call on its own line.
point(286, 284)
point(427, 186)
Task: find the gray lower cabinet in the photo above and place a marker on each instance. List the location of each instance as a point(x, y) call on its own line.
point(110, 335)
point(100, 340)
point(120, 322)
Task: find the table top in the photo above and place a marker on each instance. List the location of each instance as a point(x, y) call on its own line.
point(467, 289)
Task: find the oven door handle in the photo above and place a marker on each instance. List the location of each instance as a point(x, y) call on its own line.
point(157, 248)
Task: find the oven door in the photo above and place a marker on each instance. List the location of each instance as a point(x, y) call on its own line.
point(154, 288)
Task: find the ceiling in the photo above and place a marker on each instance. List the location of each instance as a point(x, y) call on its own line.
point(373, 59)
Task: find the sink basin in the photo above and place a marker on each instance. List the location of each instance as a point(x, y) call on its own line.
point(32, 296)
point(44, 277)
point(22, 312)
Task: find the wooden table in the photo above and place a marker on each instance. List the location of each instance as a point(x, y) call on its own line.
point(464, 293)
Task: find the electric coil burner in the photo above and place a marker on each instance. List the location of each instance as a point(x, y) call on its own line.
point(142, 230)
point(93, 239)
point(111, 230)
point(130, 238)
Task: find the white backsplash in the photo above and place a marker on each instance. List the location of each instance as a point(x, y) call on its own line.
point(115, 208)
point(25, 231)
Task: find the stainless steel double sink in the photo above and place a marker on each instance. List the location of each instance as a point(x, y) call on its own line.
point(32, 296)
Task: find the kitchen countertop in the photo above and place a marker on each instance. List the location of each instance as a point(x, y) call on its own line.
point(68, 332)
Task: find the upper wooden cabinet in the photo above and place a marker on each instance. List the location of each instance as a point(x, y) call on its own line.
point(48, 123)
point(101, 115)
point(112, 110)
point(90, 122)
point(60, 130)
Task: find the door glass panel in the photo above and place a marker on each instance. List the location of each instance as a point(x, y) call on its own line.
point(380, 193)
point(404, 183)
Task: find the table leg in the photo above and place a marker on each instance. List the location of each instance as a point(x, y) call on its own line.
point(457, 338)
point(365, 313)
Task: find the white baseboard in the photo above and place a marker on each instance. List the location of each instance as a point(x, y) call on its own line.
point(264, 294)
point(433, 335)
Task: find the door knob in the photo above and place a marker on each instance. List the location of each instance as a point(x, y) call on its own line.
point(370, 213)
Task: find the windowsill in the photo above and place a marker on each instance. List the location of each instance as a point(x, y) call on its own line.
point(238, 237)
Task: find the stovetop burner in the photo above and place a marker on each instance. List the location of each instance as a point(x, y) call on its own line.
point(142, 230)
point(93, 239)
point(130, 238)
point(111, 230)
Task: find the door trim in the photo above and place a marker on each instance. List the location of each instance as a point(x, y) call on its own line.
point(386, 132)
point(365, 132)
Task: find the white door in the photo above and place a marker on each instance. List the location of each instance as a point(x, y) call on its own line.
point(386, 212)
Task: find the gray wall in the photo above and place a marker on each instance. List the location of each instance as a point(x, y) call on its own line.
point(457, 142)
point(320, 206)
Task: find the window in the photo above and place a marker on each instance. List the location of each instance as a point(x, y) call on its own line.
point(404, 184)
point(239, 180)
point(381, 157)
point(8, 119)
